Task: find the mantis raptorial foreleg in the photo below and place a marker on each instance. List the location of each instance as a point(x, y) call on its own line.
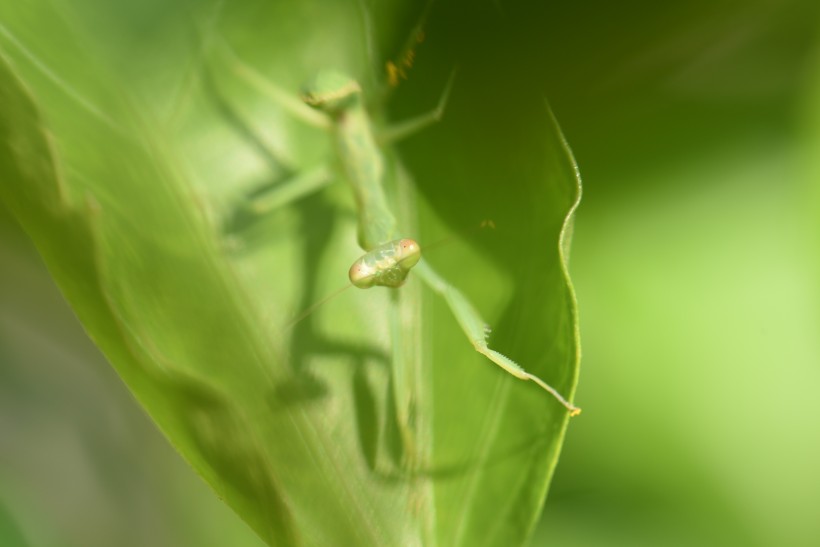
point(477, 330)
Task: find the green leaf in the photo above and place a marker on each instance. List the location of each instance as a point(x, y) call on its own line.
point(127, 143)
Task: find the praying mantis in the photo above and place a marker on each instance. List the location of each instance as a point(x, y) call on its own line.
point(333, 101)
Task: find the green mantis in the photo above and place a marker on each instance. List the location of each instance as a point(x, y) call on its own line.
point(337, 105)
point(387, 260)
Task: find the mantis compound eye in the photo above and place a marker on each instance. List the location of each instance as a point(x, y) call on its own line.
point(362, 275)
point(408, 254)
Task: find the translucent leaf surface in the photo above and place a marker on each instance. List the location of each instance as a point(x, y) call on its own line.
point(127, 143)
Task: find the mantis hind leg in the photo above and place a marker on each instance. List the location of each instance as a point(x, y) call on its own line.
point(407, 128)
point(291, 185)
point(476, 330)
point(226, 57)
point(288, 191)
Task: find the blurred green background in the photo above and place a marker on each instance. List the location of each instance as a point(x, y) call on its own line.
point(695, 259)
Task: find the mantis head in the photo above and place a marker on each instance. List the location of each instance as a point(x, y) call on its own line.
point(386, 265)
point(331, 91)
